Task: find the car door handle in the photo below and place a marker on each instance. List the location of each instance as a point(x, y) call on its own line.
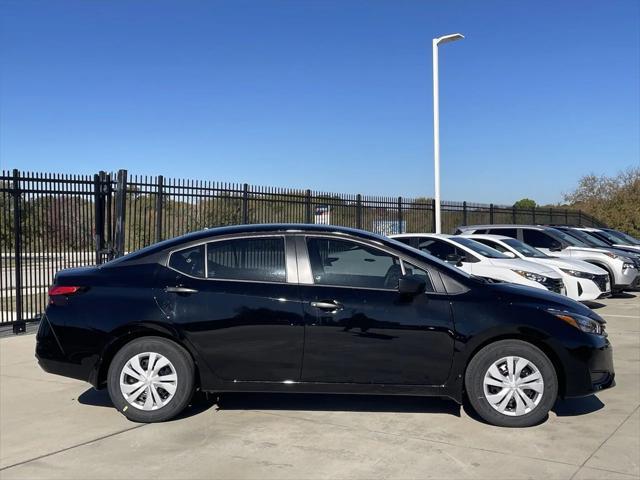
point(180, 290)
point(330, 305)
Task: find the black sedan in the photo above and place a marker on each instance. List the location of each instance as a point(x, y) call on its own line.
point(310, 308)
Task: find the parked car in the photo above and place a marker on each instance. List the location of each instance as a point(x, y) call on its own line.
point(584, 281)
point(483, 261)
point(622, 269)
point(606, 238)
point(624, 238)
point(589, 238)
point(312, 308)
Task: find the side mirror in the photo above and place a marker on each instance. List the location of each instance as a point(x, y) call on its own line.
point(454, 259)
point(411, 285)
point(556, 246)
point(509, 254)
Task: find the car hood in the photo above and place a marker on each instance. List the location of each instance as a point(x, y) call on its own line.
point(627, 248)
point(526, 265)
point(617, 251)
point(568, 264)
point(514, 293)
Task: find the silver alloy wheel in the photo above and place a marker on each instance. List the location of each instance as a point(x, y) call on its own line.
point(513, 386)
point(148, 381)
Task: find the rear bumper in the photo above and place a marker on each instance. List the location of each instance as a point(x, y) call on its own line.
point(53, 359)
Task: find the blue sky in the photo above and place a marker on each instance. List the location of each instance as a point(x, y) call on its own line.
point(332, 95)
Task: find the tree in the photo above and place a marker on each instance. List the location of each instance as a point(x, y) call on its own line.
point(613, 200)
point(525, 203)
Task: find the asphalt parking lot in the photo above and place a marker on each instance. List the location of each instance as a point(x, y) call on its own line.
point(53, 427)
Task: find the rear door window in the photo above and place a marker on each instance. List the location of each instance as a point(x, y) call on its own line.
point(254, 259)
point(537, 238)
point(507, 232)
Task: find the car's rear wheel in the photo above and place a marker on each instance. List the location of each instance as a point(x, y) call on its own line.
point(151, 379)
point(511, 383)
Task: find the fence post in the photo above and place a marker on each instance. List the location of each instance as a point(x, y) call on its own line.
point(400, 215)
point(464, 213)
point(566, 216)
point(358, 211)
point(579, 218)
point(121, 207)
point(245, 203)
point(533, 214)
point(514, 214)
point(159, 204)
point(98, 217)
point(551, 215)
point(491, 213)
point(17, 243)
point(108, 190)
point(433, 215)
point(307, 206)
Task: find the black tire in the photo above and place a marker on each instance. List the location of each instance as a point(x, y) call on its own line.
point(184, 370)
point(478, 367)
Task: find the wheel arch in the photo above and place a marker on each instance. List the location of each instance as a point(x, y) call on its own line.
point(129, 334)
point(605, 267)
point(547, 349)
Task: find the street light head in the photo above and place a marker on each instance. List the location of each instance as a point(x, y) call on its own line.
point(448, 38)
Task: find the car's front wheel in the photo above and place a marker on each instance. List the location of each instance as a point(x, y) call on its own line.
point(151, 379)
point(511, 383)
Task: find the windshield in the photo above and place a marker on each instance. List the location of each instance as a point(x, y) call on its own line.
point(479, 247)
point(619, 237)
point(524, 249)
point(570, 239)
point(587, 238)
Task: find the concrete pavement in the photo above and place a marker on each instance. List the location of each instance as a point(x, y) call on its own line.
point(52, 427)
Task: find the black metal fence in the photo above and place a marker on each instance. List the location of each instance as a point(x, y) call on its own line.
point(53, 221)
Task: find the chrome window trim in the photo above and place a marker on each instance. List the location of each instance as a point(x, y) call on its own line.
point(228, 238)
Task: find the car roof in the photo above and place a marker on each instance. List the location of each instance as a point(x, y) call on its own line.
point(488, 236)
point(257, 229)
point(418, 234)
point(502, 225)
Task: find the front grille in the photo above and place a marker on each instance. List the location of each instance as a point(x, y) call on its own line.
point(601, 281)
point(555, 285)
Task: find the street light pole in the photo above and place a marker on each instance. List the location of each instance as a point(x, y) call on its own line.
point(436, 121)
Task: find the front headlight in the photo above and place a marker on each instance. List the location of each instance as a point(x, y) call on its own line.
point(578, 273)
point(534, 277)
point(581, 322)
point(628, 265)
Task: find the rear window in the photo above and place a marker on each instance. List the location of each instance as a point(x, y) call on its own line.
point(189, 261)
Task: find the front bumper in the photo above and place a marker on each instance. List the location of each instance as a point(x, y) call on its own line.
point(599, 373)
point(626, 278)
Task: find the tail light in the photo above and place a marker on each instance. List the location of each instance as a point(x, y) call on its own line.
point(62, 290)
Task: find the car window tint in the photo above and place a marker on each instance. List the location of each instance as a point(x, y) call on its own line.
point(189, 261)
point(437, 248)
point(537, 239)
point(507, 232)
point(258, 259)
point(345, 263)
point(491, 243)
point(411, 269)
point(411, 241)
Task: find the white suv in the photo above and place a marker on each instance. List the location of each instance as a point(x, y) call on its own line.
point(622, 269)
point(482, 261)
point(584, 281)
